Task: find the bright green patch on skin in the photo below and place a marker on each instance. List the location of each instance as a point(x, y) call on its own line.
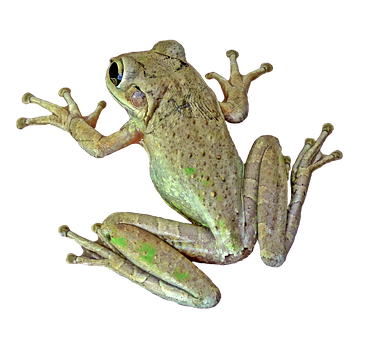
point(189, 171)
point(219, 198)
point(119, 241)
point(180, 275)
point(147, 253)
point(201, 197)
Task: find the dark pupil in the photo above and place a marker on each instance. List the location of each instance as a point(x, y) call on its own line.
point(114, 76)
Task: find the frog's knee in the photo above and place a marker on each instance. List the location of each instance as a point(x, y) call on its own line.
point(267, 139)
point(272, 259)
point(264, 142)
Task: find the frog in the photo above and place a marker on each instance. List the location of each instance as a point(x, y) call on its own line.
point(230, 205)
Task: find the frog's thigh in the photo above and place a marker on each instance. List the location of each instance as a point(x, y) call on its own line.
point(193, 241)
point(266, 168)
point(175, 277)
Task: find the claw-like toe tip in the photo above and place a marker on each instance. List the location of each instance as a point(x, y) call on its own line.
point(63, 230)
point(21, 123)
point(268, 67)
point(310, 141)
point(230, 52)
point(63, 90)
point(95, 227)
point(287, 160)
point(208, 75)
point(337, 154)
point(26, 99)
point(71, 258)
point(328, 128)
point(102, 103)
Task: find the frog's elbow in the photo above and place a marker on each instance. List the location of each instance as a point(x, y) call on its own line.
point(233, 114)
point(103, 150)
point(98, 154)
point(104, 146)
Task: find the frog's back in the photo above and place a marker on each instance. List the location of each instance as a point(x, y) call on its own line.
point(195, 166)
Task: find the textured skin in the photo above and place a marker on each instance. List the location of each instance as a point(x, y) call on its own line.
point(195, 167)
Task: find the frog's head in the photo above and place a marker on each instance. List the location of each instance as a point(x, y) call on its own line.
point(139, 80)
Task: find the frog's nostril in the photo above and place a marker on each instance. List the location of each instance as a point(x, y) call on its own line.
point(115, 76)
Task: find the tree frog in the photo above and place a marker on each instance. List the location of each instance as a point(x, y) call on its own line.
point(195, 167)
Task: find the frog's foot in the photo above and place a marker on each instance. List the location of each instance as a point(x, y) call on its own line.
point(309, 159)
point(92, 119)
point(60, 116)
point(235, 105)
point(95, 253)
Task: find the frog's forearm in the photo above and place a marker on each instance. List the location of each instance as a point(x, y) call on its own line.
point(98, 145)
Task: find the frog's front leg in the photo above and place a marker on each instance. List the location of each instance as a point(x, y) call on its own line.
point(235, 103)
point(268, 216)
point(59, 114)
point(147, 260)
point(82, 129)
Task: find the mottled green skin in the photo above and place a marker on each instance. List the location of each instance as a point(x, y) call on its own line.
point(194, 172)
point(195, 167)
point(206, 196)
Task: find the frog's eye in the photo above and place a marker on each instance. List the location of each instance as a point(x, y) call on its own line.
point(115, 76)
point(138, 99)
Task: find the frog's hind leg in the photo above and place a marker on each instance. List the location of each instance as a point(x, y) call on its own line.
point(268, 218)
point(148, 261)
point(265, 199)
point(309, 160)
